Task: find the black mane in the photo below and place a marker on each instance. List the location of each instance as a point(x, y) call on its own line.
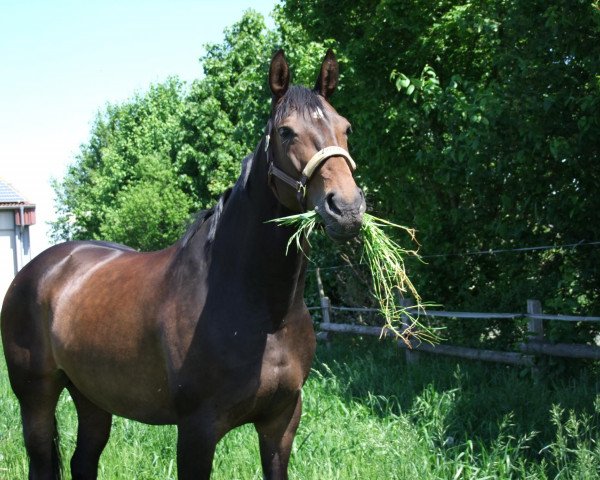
point(203, 216)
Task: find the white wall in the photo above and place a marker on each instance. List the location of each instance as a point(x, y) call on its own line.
point(15, 249)
point(8, 251)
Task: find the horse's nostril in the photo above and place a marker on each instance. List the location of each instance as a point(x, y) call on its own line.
point(332, 207)
point(361, 200)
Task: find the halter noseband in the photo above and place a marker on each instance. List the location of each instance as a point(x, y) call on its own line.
point(316, 160)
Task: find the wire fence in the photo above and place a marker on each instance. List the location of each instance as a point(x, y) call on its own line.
point(491, 251)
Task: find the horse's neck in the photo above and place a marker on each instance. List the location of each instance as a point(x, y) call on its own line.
point(249, 254)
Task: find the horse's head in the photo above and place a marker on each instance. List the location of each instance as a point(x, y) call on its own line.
point(307, 145)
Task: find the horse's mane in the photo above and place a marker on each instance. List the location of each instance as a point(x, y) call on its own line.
point(203, 216)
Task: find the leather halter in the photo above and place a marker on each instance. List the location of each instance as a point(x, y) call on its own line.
point(313, 164)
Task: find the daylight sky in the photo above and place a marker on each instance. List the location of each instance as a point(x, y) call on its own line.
point(62, 61)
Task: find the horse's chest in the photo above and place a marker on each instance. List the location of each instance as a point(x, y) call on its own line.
point(273, 381)
point(247, 374)
point(283, 370)
point(280, 373)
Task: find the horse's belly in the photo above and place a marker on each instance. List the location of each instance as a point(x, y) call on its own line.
point(130, 390)
point(119, 369)
point(113, 356)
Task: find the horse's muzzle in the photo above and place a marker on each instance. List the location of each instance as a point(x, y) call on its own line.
point(342, 216)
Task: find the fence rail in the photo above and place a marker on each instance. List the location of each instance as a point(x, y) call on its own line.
point(537, 343)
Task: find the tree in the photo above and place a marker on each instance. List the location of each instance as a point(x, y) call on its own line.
point(227, 110)
point(478, 124)
point(158, 157)
point(151, 210)
point(131, 144)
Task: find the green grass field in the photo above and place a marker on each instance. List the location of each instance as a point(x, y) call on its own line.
point(368, 415)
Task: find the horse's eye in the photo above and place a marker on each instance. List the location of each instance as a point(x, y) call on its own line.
point(285, 133)
point(348, 130)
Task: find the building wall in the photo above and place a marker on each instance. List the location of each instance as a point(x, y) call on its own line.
point(15, 249)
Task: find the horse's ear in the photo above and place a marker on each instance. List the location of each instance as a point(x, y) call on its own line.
point(279, 75)
point(329, 75)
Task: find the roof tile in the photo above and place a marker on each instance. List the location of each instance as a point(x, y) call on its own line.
point(8, 194)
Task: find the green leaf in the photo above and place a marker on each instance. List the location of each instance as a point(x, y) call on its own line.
point(402, 82)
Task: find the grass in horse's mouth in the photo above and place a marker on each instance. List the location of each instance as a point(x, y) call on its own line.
point(388, 274)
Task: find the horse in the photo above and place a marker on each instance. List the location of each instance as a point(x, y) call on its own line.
point(207, 334)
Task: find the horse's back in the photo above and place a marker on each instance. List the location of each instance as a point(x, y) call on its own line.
point(30, 286)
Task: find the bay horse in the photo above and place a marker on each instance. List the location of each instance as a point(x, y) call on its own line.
point(207, 334)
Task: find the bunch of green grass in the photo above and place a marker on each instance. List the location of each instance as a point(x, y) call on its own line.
point(385, 259)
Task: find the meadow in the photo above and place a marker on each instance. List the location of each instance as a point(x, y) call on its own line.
point(369, 415)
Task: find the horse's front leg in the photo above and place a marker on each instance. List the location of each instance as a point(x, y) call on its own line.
point(276, 435)
point(197, 438)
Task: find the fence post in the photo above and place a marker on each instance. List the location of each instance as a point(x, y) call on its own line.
point(325, 308)
point(535, 329)
point(535, 326)
point(410, 354)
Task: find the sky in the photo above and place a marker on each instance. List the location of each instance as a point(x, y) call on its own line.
point(62, 61)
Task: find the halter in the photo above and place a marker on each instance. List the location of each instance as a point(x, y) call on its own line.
point(316, 160)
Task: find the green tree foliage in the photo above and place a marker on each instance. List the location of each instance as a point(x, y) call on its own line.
point(131, 144)
point(154, 160)
point(478, 124)
point(150, 211)
point(227, 109)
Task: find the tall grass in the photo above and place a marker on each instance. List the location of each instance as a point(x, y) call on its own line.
point(368, 415)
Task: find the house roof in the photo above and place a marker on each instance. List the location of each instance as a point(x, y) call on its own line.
point(10, 196)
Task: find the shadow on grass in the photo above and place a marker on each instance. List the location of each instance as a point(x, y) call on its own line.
point(483, 395)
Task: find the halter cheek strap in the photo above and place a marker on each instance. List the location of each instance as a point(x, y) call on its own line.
point(316, 160)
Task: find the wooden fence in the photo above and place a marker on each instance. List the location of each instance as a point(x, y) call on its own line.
point(536, 343)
